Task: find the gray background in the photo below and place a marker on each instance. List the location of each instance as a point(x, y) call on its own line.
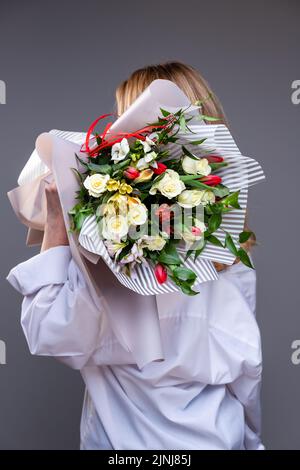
point(61, 61)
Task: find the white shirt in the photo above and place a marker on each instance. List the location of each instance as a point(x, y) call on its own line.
point(203, 395)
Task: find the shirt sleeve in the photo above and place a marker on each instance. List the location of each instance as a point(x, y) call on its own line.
point(58, 315)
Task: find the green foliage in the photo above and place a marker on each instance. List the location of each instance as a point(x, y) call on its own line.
point(169, 255)
point(244, 236)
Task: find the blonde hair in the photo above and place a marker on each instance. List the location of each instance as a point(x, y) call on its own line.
point(190, 81)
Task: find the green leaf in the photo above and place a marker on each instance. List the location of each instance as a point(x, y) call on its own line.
point(182, 123)
point(185, 274)
point(106, 196)
point(200, 102)
point(198, 252)
point(229, 243)
point(186, 289)
point(244, 236)
point(217, 165)
point(214, 222)
point(164, 112)
point(220, 190)
point(214, 240)
point(243, 255)
point(192, 180)
point(188, 254)
point(121, 165)
point(198, 184)
point(79, 219)
point(188, 153)
point(169, 255)
point(209, 118)
point(103, 169)
point(98, 139)
point(79, 175)
point(81, 161)
point(232, 200)
point(184, 286)
point(198, 142)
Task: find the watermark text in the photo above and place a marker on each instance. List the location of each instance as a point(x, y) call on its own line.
point(2, 92)
point(2, 353)
point(295, 357)
point(295, 96)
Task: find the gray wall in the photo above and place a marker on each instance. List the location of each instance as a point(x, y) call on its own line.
point(61, 61)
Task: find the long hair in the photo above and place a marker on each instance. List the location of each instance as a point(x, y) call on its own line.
point(190, 81)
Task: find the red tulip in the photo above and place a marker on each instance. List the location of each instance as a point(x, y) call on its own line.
point(131, 173)
point(160, 273)
point(161, 168)
point(214, 159)
point(211, 180)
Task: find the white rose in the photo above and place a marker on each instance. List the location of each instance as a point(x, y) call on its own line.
point(208, 197)
point(137, 214)
point(203, 167)
point(96, 184)
point(190, 198)
point(114, 228)
point(120, 150)
point(170, 185)
point(153, 243)
point(193, 197)
point(193, 167)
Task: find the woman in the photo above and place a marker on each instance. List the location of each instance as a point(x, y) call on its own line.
point(205, 394)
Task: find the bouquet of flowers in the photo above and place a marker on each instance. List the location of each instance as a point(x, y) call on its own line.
point(158, 197)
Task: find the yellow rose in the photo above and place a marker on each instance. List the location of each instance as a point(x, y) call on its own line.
point(194, 167)
point(96, 184)
point(170, 185)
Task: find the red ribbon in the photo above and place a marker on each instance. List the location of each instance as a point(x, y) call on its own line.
point(114, 138)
